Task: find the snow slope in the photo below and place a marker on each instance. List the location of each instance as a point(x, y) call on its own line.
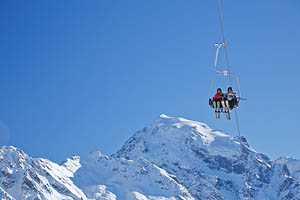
point(102, 176)
point(174, 158)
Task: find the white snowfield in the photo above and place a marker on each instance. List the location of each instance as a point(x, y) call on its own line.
point(172, 159)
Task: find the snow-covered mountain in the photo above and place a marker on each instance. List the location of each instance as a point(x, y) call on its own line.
point(173, 158)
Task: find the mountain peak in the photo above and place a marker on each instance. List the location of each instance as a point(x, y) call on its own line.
point(179, 123)
point(11, 150)
point(13, 156)
point(164, 119)
point(180, 137)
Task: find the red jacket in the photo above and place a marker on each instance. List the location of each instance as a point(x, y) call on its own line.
point(218, 96)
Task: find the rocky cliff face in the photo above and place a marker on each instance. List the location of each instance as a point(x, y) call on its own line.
point(292, 164)
point(173, 158)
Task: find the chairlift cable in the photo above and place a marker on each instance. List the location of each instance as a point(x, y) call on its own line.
point(224, 41)
point(236, 114)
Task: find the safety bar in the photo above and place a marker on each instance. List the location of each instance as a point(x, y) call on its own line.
point(225, 74)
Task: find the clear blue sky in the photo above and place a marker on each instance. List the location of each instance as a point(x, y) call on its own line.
point(78, 76)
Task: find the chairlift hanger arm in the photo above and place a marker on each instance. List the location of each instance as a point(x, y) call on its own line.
point(218, 45)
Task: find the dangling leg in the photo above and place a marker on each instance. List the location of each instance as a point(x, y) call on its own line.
point(218, 109)
point(227, 106)
point(227, 109)
point(215, 107)
point(234, 103)
point(223, 105)
point(227, 103)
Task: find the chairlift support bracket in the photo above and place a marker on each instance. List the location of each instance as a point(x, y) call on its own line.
point(219, 72)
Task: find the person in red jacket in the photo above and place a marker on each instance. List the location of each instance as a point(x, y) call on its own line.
point(218, 100)
point(219, 95)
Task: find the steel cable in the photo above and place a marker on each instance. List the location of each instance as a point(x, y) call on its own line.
point(236, 114)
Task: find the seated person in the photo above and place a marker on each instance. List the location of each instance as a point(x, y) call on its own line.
point(231, 99)
point(218, 100)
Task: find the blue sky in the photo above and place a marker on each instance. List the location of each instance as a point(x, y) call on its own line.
point(78, 76)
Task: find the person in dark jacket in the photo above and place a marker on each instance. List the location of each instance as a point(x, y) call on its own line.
point(230, 99)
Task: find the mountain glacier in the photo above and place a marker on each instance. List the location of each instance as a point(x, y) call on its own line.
point(174, 158)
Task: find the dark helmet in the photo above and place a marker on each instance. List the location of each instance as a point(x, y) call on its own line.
point(229, 88)
point(219, 89)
